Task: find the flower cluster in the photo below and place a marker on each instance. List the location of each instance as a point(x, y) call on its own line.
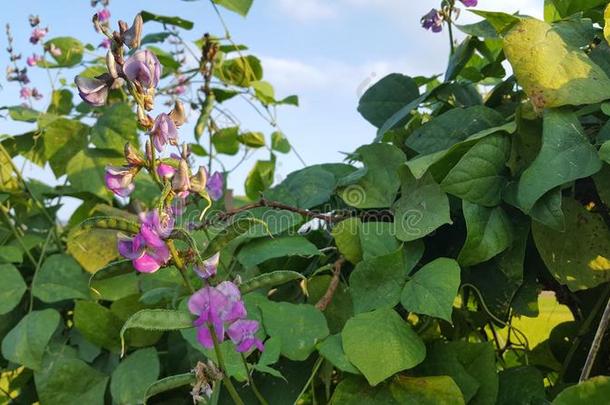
point(147, 249)
point(434, 19)
point(222, 310)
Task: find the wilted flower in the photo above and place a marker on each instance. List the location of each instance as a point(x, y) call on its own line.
point(131, 36)
point(33, 60)
point(38, 34)
point(119, 179)
point(177, 114)
point(94, 91)
point(103, 15)
point(199, 180)
point(36, 94)
point(181, 182)
point(433, 20)
point(164, 131)
point(469, 3)
point(34, 20)
point(215, 186)
point(132, 155)
point(208, 267)
point(242, 333)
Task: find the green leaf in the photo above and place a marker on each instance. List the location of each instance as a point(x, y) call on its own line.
point(479, 176)
point(21, 113)
point(240, 71)
point(377, 282)
point(460, 57)
point(176, 21)
point(607, 23)
point(260, 178)
point(12, 288)
point(451, 127)
point(93, 248)
point(397, 346)
point(340, 308)
point(471, 365)
point(399, 116)
point(61, 102)
point(86, 170)
point(386, 97)
point(566, 155)
point(432, 290)
point(97, 324)
point(332, 350)
point(159, 320)
point(132, 377)
point(63, 138)
point(60, 278)
point(116, 126)
point(489, 233)
point(261, 250)
point(165, 58)
point(11, 254)
point(279, 142)
point(521, 385)
point(71, 52)
point(552, 72)
point(347, 238)
point(426, 391)
point(26, 343)
point(268, 280)
point(226, 140)
point(298, 326)
point(422, 208)
point(500, 21)
point(592, 391)
point(252, 139)
point(168, 384)
point(379, 185)
point(579, 257)
point(241, 7)
point(69, 381)
point(264, 92)
point(378, 239)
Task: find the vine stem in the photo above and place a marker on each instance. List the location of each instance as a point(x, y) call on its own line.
point(221, 362)
point(180, 265)
point(332, 286)
point(37, 269)
point(597, 341)
point(259, 396)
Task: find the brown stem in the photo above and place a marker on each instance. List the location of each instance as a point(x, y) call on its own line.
point(597, 341)
point(332, 286)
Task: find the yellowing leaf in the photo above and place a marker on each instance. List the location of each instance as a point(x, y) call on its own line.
point(552, 72)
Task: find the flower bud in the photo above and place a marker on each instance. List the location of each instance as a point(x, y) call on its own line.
point(144, 119)
point(199, 181)
point(181, 182)
point(111, 64)
point(131, 36)
point(178, 114)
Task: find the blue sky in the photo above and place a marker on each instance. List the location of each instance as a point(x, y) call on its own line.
point(325, 51)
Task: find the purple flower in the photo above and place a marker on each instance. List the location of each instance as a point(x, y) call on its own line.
point(242, 333)
point(103, 15)
point(215, 186)
point(93, 91)
point(33, 60)
point(208, 267)
point(164, 131)
point(25, 93)
point(433, 20)
point(106, 42)
point(119, 180)
point(469, 3)
point(165, 171)
point(38, 34)
point(143, 68)
point(147, 249)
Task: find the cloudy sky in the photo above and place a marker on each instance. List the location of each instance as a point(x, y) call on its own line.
point(325, 51)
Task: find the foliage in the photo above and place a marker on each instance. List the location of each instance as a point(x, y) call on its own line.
point(402, 275)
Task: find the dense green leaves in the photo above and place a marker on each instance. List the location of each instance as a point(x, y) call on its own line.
point(402, 349)
point(12, 288)
point(60, 278)
point(87, 168)
point(26, 343)
point(98, 324)
point(258, 251)
point(566, 155)
point(432, 289)
point(63, 139)
point(116, 126)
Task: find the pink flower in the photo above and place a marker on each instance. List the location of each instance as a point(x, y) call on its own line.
point(38, 34)
point(55, 51)
point(242, 333)
point(33, 60)
point(25, 93)
point(103, 15)
point(119, 180)
point(208, 267)
point(165, 171)
point(143, 68)
point(164, 131)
